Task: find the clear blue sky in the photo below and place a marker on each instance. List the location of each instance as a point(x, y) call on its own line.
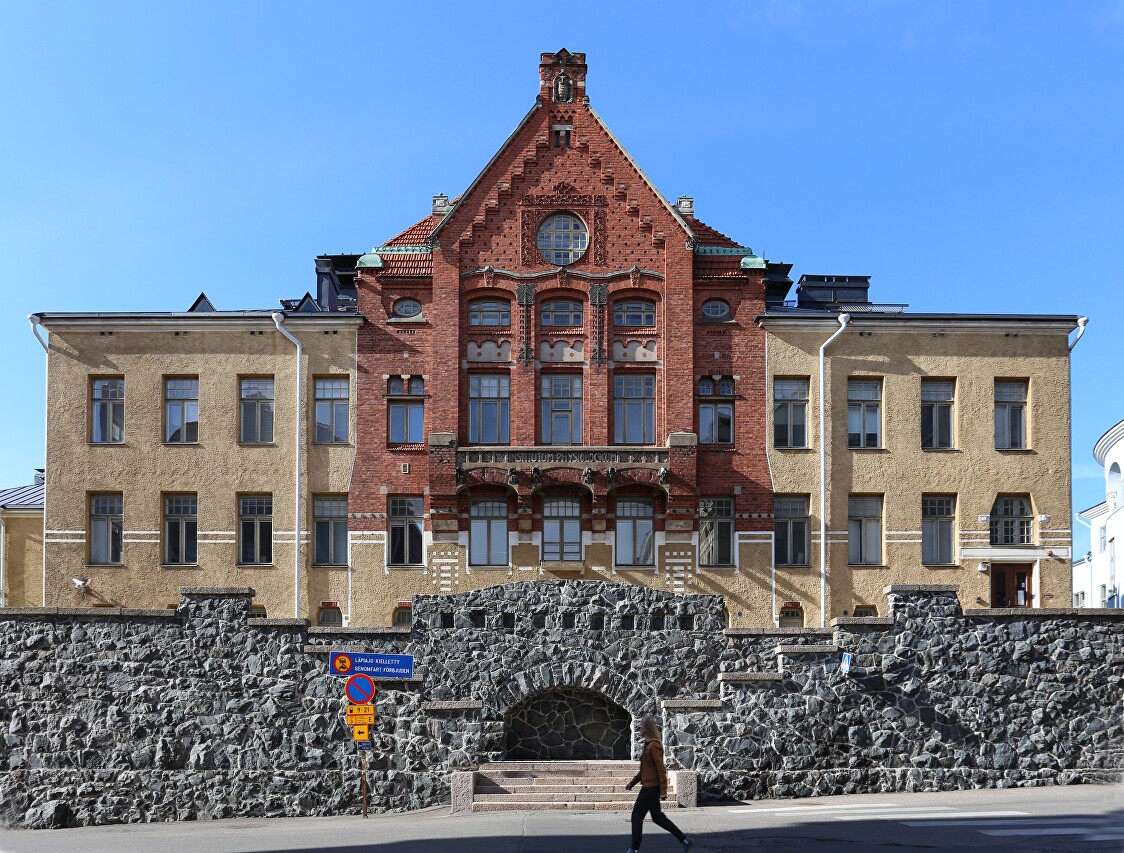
point(966, 155)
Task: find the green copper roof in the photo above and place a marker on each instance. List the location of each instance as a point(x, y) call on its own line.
point(730, 251)
point(374, 257)
point(752, 262)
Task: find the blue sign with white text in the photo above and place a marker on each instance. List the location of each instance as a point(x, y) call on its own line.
point(374, 665)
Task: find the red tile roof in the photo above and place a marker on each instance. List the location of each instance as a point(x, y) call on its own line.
point(707, 236)
point(416, 234)
point(407, 265)
point(718, 266)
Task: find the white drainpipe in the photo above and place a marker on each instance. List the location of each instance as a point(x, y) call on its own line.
point(1082, 322)
point(278, 317)
point(3, 560)
point(844, 319)
point(35, 323)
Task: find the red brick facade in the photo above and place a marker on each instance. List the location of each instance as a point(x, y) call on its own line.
point(561, 159)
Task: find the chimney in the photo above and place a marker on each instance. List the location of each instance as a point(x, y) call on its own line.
point(440, 205)
point(686, 205)
point(40, 476)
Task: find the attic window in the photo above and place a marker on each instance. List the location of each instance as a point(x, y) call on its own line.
point(562, 239)
point(407, 308)
point(562, 134)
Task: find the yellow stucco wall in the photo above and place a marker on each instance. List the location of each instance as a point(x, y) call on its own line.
point(23, 558)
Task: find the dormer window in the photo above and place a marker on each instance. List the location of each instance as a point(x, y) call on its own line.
point(562, 135)
point(562, 239)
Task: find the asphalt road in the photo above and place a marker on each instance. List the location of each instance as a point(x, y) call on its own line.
point(1057, 819)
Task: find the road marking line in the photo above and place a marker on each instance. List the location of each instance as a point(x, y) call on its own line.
point(810, 808)
point(1064, 830)
point(1043, 820)
point(908, 813)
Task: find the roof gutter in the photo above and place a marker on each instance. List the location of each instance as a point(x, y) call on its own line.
point(278, 318)
point(844, 319)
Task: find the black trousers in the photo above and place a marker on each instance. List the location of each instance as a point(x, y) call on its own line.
point(648, 800)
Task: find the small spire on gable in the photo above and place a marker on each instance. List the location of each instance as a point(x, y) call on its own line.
point(202, 305)
point(562, 77)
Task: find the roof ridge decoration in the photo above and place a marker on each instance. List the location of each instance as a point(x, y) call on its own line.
point(750, 261)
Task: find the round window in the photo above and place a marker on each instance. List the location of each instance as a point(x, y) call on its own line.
point(562, 238)
point(716, 309)
point(407, 308)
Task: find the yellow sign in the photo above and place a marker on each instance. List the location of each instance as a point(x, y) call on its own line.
point(359, 733)
point(360, 714)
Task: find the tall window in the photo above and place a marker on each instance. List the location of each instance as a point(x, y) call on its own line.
point(489, 408)
point(406, 532)
point(489, 312)
point(257, 411)
point(561, 312)
point(634, 408)
point(255, 530)
point(487, 533)
point(329, 530)
point(716, 411)
point(1010, 415)
point(790, 412)
point(561, 529)
point(181, 523)
point(864, 530)
point(937, 529)
point(936, 414)
point(406, 409)
point(107, 420)
point(1011, 521)
point(635, 533)
point(561, 408)
point(106, 529)
point(181, 410)
point(864, 418)
point(790, 541)
point(1103, 537)
point(634, 312)
point(716, 532)
point(332, 407)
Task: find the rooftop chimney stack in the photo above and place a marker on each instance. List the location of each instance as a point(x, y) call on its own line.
point(686, 205)
point(440, 205)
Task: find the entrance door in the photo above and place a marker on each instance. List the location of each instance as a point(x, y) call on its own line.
point(1010, 584)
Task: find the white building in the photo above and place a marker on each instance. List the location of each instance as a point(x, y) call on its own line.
point(1095, 583)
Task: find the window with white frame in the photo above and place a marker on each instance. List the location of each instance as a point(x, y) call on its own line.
point(864, 413)
point(938, 529)
point(256, 410)
point(106, 529)
point(716, 410)
point(864, 530)
point(791, 617)
point(1010, 414)
point(255, 530)
point(634, 408)
point(790, 530)
point(936, 414)
point(561, 529)
point(716, 531)
point(635, 532)
point(634, 312)
point(181, 410)
point(1079, 599)
point(1011, 521)
point(181, 525)
point(107, 411)
point(489, 312)
point(405, 523)
point(865, 611)
point(790, 413)
point(332, 408)
point(405, 409)
point(489, 408)
point(1103, 537)
point(487, 532)
point(561, 408)
point(329, 530)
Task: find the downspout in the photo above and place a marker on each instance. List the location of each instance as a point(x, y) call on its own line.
point(278, 317)
point(1082, 322)
point(35, 324)
point(772, 485)
point(3, 560)
point(844, 319)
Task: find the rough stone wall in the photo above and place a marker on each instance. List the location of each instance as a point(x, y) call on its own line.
point(201, 712)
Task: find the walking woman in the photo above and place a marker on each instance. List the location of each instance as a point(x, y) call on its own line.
point(653, 787)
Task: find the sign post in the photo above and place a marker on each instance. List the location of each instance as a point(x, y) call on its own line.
point(364, 772)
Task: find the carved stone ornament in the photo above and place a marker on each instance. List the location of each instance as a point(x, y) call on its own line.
point(600, 238)
point(665, 476)
point(634, 275)
point(525, 293)
point(528, 238)
point(563, 89)
point(587, 476)
point(598, 294)
point(563, 277)
point(565, 188)
point(536, 476)
point(460, 476)
point(489, 276)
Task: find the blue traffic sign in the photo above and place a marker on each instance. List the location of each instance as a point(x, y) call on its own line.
point(359, 689)
point(845, 664)
point(374, 665)
point(363, 745)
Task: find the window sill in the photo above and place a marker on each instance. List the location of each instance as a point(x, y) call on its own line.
point(495, 568)
point(180, 443)
point(793, 449)
point(716, 447)
point(257, 444)
point(867, 566)
point(411, 446)
point(175, 566)
point(723, 568)
point(633, 567)
point(941, 565)
point(407, 321)
point(105, 443)
point(254, 565)
point(869, 449)
point(397, 568)
point(940, 449)
point(329, 565)
point(1014, 450)
point(331, 444)
point(105, 565)
point(794, 565)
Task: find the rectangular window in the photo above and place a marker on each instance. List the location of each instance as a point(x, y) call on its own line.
point(1010, 415)
point(406, 410)
point(330, 616)
point(634, 408)
point(936, 414)
point(329, 530)
point(255, 530)
point(864, 530)
point(181, 410)
point(1079, 599)
point(790, 413)
point(561, 409)
point(256, 411)
point(864, 413)
point(790, 542)
point(107, 407)
point(406, 532)
point(332, 407)
point(489, 409)
point(487, 533)
point(1104, 595)
point(1011, 521)
point(938, 516)
point(716, 532)
point(716, 416)
point(561, 529)
point(106, 529)
point(181, 522)
point(1103, 538)
point(635, 533)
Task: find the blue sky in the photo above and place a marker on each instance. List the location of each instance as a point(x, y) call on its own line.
point(967, 155)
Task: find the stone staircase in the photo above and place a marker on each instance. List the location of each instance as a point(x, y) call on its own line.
point(559, 785)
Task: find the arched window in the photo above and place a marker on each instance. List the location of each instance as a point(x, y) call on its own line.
point(1011, 521)
point(406, 308)
point(1114, 485)
point(634, 312)
point(562, 239)
point(792, 617)
point(716, 309)
point(561, 312)
point(330, 616)
point(489, 312)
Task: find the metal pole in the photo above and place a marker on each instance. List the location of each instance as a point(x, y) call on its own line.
point(364, 784)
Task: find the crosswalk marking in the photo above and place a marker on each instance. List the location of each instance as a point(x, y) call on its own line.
point(1039, 830)
point(1055, 820)
point(814, 808)
point(951, 813)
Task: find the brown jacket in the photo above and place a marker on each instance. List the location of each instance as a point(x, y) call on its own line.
point(652, 772)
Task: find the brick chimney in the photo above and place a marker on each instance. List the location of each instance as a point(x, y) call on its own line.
point(440, 205)
point(686, 205)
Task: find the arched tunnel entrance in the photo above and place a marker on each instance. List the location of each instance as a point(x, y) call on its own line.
point(567, 724)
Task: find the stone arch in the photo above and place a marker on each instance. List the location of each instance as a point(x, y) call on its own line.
point(567, 724)
point(520, 686)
